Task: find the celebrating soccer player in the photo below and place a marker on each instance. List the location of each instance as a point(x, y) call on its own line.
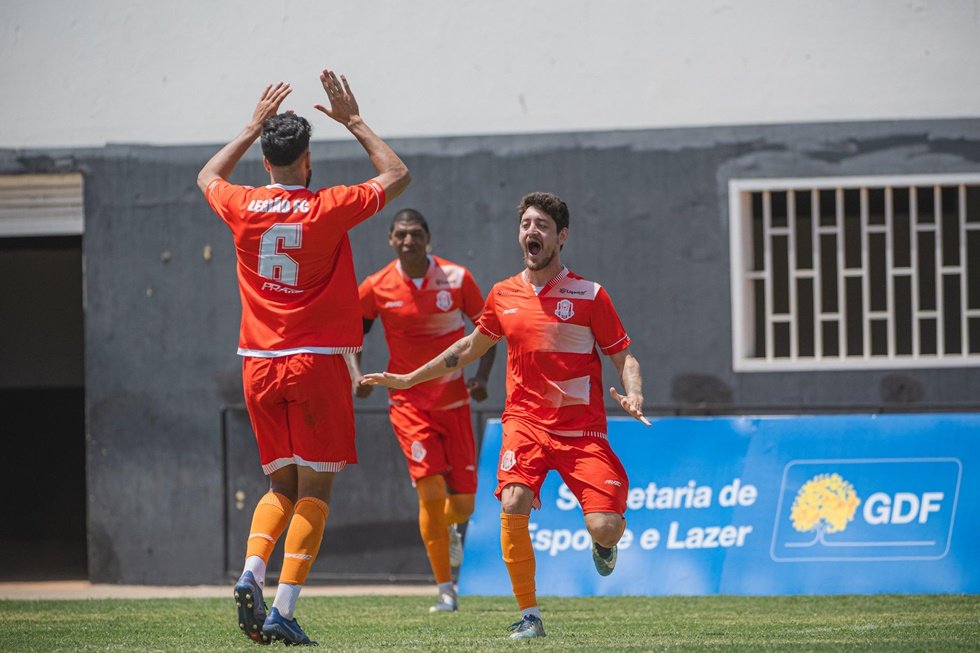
point(421, 300)
point(554, 416)
point(299, 316)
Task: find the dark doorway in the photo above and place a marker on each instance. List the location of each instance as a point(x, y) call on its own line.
point(42, 404)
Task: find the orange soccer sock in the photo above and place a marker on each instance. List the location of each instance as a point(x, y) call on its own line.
point(303, 539)
point(433, 525)
point(515, 544)
point(459, 507)
point(268, 522)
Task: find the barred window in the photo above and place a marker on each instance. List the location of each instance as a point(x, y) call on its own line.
point(860, 272)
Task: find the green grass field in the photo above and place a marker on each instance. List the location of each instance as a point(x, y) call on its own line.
point(825, 623)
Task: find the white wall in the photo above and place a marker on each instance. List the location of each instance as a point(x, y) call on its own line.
point(77, 73)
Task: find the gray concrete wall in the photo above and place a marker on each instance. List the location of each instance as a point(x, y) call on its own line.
point(649, 220)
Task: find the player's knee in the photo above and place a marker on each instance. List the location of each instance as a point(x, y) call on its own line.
point(288, 490)
point(462, 505)
point(516, 499)
point(431, 488)
point(605, 528)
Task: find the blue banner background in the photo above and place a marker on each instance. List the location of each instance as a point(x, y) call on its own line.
point(885, 504)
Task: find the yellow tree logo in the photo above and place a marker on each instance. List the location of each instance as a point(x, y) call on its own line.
point(825, 504)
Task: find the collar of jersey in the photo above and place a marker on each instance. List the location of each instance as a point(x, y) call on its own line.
point(551, 284)
point(285, 187)
point(398, 264)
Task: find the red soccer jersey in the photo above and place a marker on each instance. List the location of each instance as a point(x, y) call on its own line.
point(421, 322)
point(554, 374)
point(295, 267)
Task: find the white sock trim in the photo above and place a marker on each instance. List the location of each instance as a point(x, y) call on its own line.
point(286, 595)
point(535, 610)
point(256, 565)
point(446, 588)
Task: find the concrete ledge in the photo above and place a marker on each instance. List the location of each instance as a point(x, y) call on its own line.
point(75, 590)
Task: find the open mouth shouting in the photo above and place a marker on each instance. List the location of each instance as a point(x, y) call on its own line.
point(533, 247)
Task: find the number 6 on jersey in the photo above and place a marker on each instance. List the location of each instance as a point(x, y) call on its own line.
point(273, 263)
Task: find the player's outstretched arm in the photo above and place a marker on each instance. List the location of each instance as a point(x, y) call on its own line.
point(223, 163)
point(459, 354)
point(392, 173)
point(629, 373)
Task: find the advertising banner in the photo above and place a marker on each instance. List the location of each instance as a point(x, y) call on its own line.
point(841, 504)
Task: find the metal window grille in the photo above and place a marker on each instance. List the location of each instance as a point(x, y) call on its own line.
point(855, 272)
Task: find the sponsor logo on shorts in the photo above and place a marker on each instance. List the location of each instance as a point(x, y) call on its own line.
point(394, 304)
point(444, 300)
point(507, 461)
point(613, 482)
point(471, 468)
point(418, 451)
point(509, 311)
point(565, 309)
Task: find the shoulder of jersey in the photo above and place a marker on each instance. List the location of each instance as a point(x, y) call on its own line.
point(442, 262)
point(383, 272)
point(510, 286)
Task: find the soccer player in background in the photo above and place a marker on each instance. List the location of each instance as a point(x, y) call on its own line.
point(554, 417)
point(299, 316)
point(421, 300)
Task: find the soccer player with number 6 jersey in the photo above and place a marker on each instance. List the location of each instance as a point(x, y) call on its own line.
point(555, 323)
point(300, 315)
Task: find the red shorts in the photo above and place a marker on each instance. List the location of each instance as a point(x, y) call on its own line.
point(586, 464)
point(301, 411)
point(437, 442)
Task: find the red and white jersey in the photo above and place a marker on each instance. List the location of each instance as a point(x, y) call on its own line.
point(421, 322)
point(295, 267)
point(554, 374)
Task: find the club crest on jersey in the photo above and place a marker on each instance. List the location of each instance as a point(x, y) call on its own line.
point(507, 460)
point(565, 309)
point(418, 451)
point(444, 300)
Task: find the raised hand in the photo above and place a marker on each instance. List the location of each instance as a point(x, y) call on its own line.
point(632, 404)
point(343, 106)
point(268, 105)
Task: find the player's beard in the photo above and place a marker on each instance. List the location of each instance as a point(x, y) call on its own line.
point(541, 264)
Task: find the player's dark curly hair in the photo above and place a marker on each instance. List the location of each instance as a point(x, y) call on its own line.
point(409, 215)
point(285, 137)
point(548, 203)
